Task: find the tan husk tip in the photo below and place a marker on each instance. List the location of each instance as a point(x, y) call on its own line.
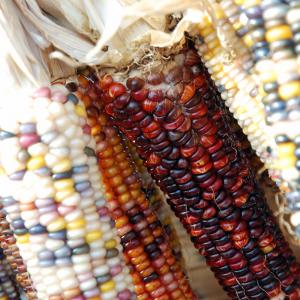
point(105, 33)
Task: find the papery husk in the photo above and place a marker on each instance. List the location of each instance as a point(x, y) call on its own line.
point(110, 33)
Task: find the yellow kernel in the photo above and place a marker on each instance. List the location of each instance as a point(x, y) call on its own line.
point(77, 224)
point(217, 68)
point(63, 166)
point(268, 77)
point(64, 184)
point(253, 127)
point(206, 31)
point(107, 286)
point(250, 3)
point(219, 13)
point(286, 149)
point(110, 244)
point(248, 40)
point(95, 130)
point(289, 90)
point(229, 85)
point(237, 25)
point(93, 236)
point(58, 224)
point(80, 111)
point(23, 239)
point(2, 172)
point(61, 195)
point(213, 44)
point(36, 163)
point(267, 249)
point(208, 56)
point(282, 32)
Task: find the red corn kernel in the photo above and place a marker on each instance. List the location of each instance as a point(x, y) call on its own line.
point(135, 83)
point(173, 125)
point(241, 200)
point(293, 295)
point(188, 93)
point(149, 105)
point(263, 242)
point(116, 89)
point(241, 243)
point(155, 78)
point(208, 140)
point(209, 212)
point(241, 226)
point(274, 292)
point(228, 225)
point(230, 281)
point(201, 162)
point(239, 236)
point(140, 95)
point(153, 159)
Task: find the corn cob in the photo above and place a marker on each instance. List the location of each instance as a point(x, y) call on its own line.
point(155, 271)
point(237, 89)
point(12, 254)
point(50, 186)
point(213, 193)
point(231, 136)
point(247, 20)
point(275, 38)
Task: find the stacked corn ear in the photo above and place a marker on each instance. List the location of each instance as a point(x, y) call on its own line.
point(208, 180)
point(52, 191)
point(154, 270)
point(15, 261)
point(270, 29)
point(237, 87)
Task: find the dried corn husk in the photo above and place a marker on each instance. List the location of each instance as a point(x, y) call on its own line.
point(107, 32)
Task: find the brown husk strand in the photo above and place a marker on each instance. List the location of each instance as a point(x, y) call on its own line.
point(189, 150)
point(11, 252)
point(156, 273)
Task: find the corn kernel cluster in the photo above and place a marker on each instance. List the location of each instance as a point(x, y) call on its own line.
point(52, 193)
point(207, 178)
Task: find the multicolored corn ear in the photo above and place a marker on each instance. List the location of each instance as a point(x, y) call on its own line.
point(270, 31)
point(154, 269)
point(236, 86)
point(52, 192)
point(208, 180)
point(15, 261)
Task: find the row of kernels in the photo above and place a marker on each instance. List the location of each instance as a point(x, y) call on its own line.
point(55, 205)
point(232, 95)
point(227, 29)
point(281, 83)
